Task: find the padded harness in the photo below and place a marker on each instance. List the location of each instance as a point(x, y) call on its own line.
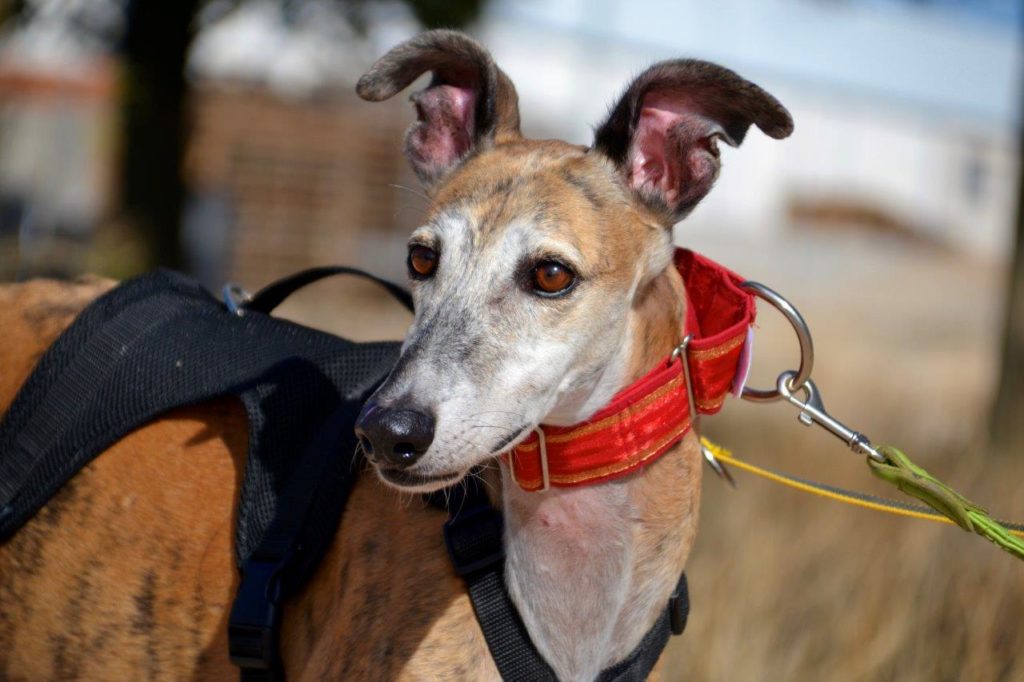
point(160, 341)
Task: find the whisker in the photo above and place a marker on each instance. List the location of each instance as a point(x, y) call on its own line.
point(478, 414)
point(410, 190)
point(506, 429)
point(487, 484)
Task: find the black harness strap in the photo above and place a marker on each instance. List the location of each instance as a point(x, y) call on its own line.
point(292, 546)
point(272, 295)
point(474, 538)
point(158, 342)
point(68, 378)
point(308, 515)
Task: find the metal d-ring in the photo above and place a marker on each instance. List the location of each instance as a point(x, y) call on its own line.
point(803, 334)
point(235, 298)
point(797, 387)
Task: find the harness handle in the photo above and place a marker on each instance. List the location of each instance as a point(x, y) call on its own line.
point(274, 294)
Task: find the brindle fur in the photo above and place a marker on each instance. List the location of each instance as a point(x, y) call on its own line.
point(128, 572)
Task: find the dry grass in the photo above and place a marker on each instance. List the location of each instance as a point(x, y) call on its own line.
point(786, 586)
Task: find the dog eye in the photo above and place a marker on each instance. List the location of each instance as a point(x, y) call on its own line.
point(422, 261)
point(551, 277)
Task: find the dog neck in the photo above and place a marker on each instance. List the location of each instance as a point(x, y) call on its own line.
point(590, 568)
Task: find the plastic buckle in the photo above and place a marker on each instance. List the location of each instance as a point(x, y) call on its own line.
point(474, 539)
point(255, 617)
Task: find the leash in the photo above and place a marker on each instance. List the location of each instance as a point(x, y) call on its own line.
point(886, 462)
point(852, 497)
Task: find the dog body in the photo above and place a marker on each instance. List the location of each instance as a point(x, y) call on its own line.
point(543, 285)
point(129, 571)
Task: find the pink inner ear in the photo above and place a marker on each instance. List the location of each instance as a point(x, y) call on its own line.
point(650, 168)
point(444, 130)
point(672, 156)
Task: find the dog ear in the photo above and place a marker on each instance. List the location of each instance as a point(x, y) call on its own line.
point(663, 133)
point(469, 103)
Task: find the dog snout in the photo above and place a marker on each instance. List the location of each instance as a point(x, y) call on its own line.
point(395, 436)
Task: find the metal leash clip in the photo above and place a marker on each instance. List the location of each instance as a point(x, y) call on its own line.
point(791, 384)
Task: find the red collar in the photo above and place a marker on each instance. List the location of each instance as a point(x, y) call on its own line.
point(644, 420)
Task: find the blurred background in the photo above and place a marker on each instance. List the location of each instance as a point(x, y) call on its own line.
point(223, 137)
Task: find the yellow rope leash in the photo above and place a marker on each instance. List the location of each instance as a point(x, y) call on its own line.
point(857, 499)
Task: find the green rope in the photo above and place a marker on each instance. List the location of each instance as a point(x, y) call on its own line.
point(916, 482)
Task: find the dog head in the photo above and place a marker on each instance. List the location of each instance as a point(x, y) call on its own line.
point(534, 254)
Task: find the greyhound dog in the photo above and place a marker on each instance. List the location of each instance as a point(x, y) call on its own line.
point(543, 285)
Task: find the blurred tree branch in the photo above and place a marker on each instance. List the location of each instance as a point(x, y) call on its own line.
point(1007, 427)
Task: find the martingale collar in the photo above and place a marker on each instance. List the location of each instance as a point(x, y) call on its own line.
point(648, 417)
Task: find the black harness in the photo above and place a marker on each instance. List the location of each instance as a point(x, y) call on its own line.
point(160, 341)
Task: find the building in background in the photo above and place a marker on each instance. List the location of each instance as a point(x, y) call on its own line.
point(906, 117)
point(286, 166)
point(57, 151)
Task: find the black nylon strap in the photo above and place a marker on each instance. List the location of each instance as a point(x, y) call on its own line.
point(29, 437)
point(271, 296)
point(158, 342)
point(474, 537)
point(292, 545)
point(638, 665)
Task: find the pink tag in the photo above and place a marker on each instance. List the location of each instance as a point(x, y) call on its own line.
point(743, 366)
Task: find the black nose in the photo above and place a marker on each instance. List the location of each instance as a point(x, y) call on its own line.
point(395, 436)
